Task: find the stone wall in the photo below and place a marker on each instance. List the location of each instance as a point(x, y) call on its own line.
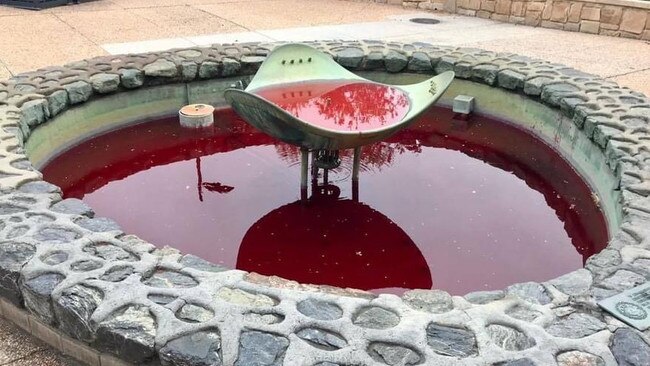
point(617, 18)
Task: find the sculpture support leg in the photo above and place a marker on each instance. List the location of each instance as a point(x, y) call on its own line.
point(355, 163)
point(304, 167)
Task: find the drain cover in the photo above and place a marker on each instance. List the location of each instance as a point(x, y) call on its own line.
point(424, 20)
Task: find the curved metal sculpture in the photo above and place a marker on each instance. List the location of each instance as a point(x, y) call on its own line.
point(297, 64)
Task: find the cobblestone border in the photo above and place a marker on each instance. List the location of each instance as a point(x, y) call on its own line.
point(82, 277)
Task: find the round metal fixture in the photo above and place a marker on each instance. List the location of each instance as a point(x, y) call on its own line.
point(424, 20)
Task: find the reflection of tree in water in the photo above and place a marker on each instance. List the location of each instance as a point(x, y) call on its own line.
point(353, 105)
point(374, 157)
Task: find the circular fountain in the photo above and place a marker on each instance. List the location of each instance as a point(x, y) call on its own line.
point(82, 277)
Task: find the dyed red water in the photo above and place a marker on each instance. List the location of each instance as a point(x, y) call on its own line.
point(341, 105)
point(457, 205)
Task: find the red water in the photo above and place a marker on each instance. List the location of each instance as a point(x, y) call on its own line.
point(457, 205)
point(341, 105)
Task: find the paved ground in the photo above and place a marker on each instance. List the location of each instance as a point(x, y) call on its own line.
point(30, 40)
point(17, 348)
point(36, 39)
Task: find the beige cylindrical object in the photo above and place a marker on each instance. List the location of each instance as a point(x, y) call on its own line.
point(196, 115)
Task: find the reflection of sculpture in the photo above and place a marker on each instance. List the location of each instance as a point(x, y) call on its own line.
point(302, 97)
point(340, 242)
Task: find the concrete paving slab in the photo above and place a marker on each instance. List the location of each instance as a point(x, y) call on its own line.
point(147, 46)
point(179, 21)
point(308, 34)
point(87, 6)
point(4, 72)
point(41, 39)
point(639, 81)
point(16, 344)
point(383, 30)
point(303, 13)
point(207, 40)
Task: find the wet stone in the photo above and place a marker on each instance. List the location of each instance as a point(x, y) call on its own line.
point(629, 349)
point(373, 61)
point(198, 349)
point(509, 79)
point(39, 187)
point(9, 209)
point(350, 57)
point(451, 341)
point(73, 309)
point(53, 258)
point(201, 264)
point(509, 338)
point(86, 265)
point(110, 252)
point(518, 362)
point(530, 291)
point(105, 83)
point(486, 73)
point(261, 349)
point(209, 69)
point(578, 358)
point(250, 64)
point(99, 224)
point(419, 62)
point(231, 67)
point(534, 86)
point(57, 102)
point(263, 318)
point(129, 333)
point(161, 299)
point(523, 313)
point(622, 280)
point(322, 339)
point(574, 283)
point(241, 297)
point(34, 112)
point(131, 78)
point(13, 257)
point(553, 93)
point(39, 218)
point(484, 297)
point(189, 70)
point(161, 68)
point(375, 317)
point(604, 259)
point(17, 231)
point(72, 206)
point(117, 273)
point(432, 301)
point(395, 61)
point(446, 63)
point(599, 293)
point(576, 325)
point(320, 310)
point(22, 164)
point(78, 92)
point(38, 294)
point(166, 278)
point(192, 313)
point(393, 354)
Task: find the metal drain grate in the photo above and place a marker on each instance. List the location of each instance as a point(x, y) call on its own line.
point(424, 20)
